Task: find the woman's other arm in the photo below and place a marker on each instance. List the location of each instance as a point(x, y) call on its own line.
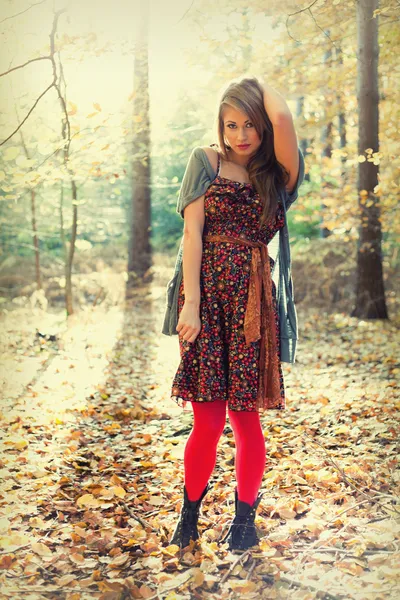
point(189, 323)
point(285, 138)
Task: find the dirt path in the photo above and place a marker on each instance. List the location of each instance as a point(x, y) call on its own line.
point(92, 469)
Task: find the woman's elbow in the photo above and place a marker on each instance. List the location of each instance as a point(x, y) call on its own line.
point(194, 217)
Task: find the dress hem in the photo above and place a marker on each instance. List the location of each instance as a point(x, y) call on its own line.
point(181, 402)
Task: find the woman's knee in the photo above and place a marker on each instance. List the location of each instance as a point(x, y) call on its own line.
point(210, 418)
point(246, 424)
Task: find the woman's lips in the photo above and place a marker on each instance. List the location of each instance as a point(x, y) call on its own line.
point(243, 145)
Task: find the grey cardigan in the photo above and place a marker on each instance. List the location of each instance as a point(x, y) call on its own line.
point(198, 177)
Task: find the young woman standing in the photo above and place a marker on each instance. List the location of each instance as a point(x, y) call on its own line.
point(228, 326)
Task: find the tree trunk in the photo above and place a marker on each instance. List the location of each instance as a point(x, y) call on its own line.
point(303, 143)
point(139, 254)
point(341, 116)
point(370, 292)
point(38, 275)
point(35, 241)
point(326, 139)
point(246, 33)
point(68, 300)
point(69, 252)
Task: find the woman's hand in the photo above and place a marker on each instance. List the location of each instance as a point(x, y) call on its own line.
point(189, 324)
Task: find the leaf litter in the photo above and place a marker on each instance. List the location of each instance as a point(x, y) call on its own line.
point(92, 466)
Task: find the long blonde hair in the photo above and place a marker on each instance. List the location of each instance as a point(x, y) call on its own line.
point(265, 172)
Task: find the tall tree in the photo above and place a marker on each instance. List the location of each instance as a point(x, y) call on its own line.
point(69, 249)
point(139, 252)
point(327, 134)
point(32, 192)
point(340, 100)
point(370, 294)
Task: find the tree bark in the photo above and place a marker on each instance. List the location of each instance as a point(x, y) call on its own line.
point(341, 115)
point(36, 241)
point(139, 252)
point(71, 251)
point(370, 293)
point(326, 138)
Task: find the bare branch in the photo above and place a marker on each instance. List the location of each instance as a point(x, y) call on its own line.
point(308, 9)
point(23, 121)
point(185, 13)
point(24, 64)
point(302, 9)
point(64, 108)
point(23, 11)
point(53, 83)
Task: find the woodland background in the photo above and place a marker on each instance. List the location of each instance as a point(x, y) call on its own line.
point(102, 103)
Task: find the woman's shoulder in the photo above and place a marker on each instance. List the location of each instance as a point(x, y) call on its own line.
point(211, 152)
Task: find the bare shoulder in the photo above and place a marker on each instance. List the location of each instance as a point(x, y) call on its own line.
point(212, 155)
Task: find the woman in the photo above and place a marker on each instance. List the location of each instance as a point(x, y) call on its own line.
point(228, 318)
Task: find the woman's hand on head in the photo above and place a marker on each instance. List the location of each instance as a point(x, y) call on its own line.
point(189, 324)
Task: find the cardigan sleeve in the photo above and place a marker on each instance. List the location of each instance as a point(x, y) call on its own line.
point(195, 180)
point(290, 198)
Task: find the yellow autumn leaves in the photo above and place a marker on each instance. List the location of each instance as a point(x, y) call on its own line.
point(91, 501)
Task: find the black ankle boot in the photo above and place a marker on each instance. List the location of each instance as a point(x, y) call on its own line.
point(186, 528)
point(242, 533)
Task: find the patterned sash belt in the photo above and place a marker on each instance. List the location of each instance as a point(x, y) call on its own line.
point(259, 321)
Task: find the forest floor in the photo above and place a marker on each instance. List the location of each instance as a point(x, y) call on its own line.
point(92, 463)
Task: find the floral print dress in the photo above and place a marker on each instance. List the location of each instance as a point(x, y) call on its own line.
point(218, 366)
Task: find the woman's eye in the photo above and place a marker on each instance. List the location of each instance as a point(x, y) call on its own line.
point(230, 125)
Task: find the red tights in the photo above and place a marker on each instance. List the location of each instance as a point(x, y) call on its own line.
point(201, 449)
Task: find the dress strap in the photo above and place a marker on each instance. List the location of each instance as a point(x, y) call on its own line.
point(219, 159)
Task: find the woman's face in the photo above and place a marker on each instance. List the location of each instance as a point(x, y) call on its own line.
point(240, 133)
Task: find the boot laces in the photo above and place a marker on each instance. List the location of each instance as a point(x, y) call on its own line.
point(243, 526)
point(190, 516)
point(187, 526)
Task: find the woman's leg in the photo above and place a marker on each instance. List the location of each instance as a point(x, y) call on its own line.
point(201, 447)
point(250, 456)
